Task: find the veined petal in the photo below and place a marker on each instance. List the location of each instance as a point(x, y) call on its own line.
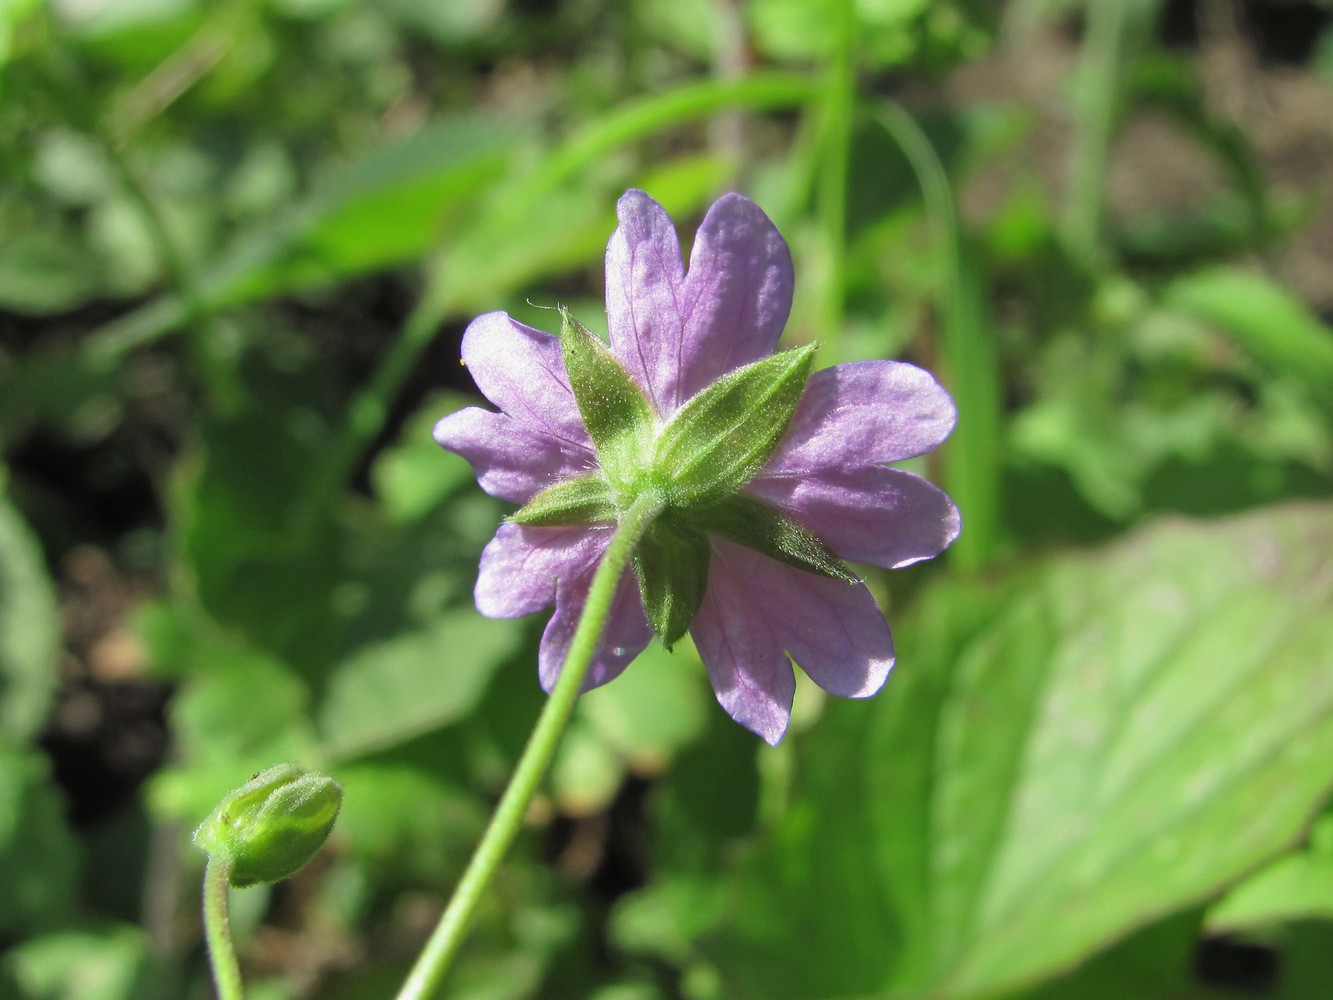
point(875, 514)
point(755, 609)
point(522, 566)
point(512, 461)
point(862, 413)
point(624, 636)
point(745, 657)
point(520, 370)
point(737, 293)
point(644, 278)
point(675, 332)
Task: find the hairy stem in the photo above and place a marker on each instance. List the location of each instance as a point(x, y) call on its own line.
point(217, 927)
point(435, 958)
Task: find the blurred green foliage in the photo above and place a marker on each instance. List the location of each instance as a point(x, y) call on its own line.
point(240, 241)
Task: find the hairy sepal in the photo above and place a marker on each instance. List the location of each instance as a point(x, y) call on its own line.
point(671, 564)
point(721, 437)
point(749, 521)
point(582, 500)
point(615, 411)
point(267, 829)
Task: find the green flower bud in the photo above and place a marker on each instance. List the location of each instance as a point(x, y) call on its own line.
point(267, 829)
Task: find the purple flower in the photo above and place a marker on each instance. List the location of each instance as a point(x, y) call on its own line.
point(676, 332)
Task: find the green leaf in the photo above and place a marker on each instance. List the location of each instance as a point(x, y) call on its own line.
point(638, 724)
point(618, 417)
point(388, 205)
point(719, 439)
point(106, 963)
point(1141, 726)
point(39, 860)
point(585, 776)
point(413, 683)
point(29, 628)
point(1266, 321)
point(1113, 736)
point(655, 708)
point(1298, 886)
point(750, 522)
point(671, 563)
point(582, 500)
point(415, 475)
point(238, 710)
point(402, 819)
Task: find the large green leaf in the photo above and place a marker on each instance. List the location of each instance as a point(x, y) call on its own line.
point(1297, 886)
point(413, 683)
point(1124, 733)
point(1141, 727)
point(29, 628)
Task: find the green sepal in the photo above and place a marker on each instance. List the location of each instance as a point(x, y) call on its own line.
point(721, 437)
point(267, 829)
point(671, 563)
point(749, 521)
point(615, 411)
point(582, 500)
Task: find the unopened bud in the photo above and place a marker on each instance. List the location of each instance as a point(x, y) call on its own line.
point(267, 829)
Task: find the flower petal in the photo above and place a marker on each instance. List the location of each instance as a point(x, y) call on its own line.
point(520, 370)
point(512, 461)
point(644, 275)
point(676, 333)
point(876, 515)
point(624, 636)
point(756, 608)
point(745, 657)
point(521, 566)
point(859, 414)
point(737, 293)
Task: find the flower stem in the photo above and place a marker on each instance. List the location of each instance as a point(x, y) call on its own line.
point(217, 926)
point(431, 965)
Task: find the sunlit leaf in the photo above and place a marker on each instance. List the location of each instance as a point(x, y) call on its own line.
point(1113, 736)
point(29, 628)
point(413, 683)
point(1298, 886)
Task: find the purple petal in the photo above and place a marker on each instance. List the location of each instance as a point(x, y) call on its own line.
point(624, 637)
point(745, 657)
point(737, 293)
point(755, 608)
point(863, 413)
point(521, 566)
point(676, 333)
point(644, 277)
point(512, 461)
point(520, 370)
point(876, 515)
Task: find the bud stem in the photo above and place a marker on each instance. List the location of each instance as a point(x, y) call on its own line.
point(431, 965)
point(217, 926)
